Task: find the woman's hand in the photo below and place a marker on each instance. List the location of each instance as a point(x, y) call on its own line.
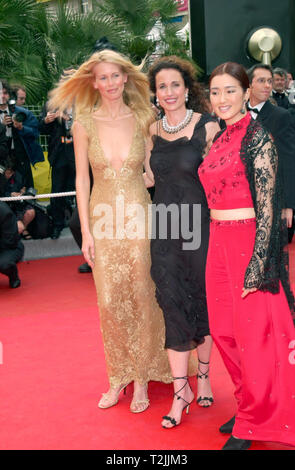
point(7, 120)
point(148, 183)
point(50, 117)
point(245, 292)
point(88, 249)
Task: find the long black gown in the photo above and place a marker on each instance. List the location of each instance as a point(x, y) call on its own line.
point(179, 274)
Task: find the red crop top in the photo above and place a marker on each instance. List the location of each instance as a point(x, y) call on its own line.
point(222, 172)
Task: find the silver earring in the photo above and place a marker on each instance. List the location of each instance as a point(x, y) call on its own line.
point(186, 97)
point(157, 101)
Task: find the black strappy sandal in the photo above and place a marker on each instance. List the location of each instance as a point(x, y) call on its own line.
point(186, 406)
point(204, 375)
point(26, 235)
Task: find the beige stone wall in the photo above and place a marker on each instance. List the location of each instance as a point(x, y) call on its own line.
point(75, 4)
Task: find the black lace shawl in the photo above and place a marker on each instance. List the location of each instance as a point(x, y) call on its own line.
point(269, 263)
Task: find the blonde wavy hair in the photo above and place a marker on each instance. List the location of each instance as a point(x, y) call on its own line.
point(76, 89)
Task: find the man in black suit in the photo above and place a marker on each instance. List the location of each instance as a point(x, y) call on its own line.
point(279, 88)
point(62, 161)
point(279, 123)
point(3, 144)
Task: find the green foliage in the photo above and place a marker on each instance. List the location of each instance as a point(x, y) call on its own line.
point(73, 35)
point(37, 44)
point(21, 44)
point(137, 19)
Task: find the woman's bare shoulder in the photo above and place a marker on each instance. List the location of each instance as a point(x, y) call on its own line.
point(79, 126)
point(153, 128)
point(196, 117)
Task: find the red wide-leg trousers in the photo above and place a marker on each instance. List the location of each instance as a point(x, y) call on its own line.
point(255, 337)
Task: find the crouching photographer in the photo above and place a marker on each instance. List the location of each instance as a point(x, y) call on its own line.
point(11, 247)
point(33, 219)
point(23, 210)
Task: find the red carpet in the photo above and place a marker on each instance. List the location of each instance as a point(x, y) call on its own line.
point(53, 374)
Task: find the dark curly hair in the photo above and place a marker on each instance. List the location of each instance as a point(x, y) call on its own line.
point(196, 94)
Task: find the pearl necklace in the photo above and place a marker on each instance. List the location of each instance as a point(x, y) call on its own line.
point(173, 129)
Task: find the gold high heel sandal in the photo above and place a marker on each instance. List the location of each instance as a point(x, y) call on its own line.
point(186, 406)
point(105, 396)
point(135, 403)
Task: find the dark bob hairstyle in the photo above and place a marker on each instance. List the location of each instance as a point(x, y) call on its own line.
point(233, 69)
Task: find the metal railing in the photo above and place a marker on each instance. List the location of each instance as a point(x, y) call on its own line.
point(43, 139)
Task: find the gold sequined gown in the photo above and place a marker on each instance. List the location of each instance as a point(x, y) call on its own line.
point(131, 322)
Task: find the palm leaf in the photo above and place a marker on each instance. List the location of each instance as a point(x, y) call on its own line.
point(37, 44)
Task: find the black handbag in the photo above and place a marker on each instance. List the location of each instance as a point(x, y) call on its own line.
point(42, 225)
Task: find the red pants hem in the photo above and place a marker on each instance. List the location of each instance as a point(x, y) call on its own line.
point(254, 337)
point(256, 435)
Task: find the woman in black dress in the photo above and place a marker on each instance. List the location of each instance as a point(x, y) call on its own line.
point(178, 144)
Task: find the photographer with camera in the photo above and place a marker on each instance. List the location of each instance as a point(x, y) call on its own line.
point(62, 161)
point(23, 210)
point(22, 134)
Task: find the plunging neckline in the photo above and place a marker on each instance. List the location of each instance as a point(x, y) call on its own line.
point(107, 161)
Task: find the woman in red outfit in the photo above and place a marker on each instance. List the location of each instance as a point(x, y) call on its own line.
point(250, 303)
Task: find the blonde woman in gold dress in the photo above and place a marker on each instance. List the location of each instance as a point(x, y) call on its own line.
point(113, 114)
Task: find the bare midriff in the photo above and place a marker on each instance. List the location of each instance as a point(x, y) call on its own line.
point(233, 214)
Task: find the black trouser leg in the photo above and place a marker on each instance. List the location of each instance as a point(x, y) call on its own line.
point(63, 180)
point(291, 231)
point(75, 227)
point(57, 204)
point(8, 260)
point(23, 166)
